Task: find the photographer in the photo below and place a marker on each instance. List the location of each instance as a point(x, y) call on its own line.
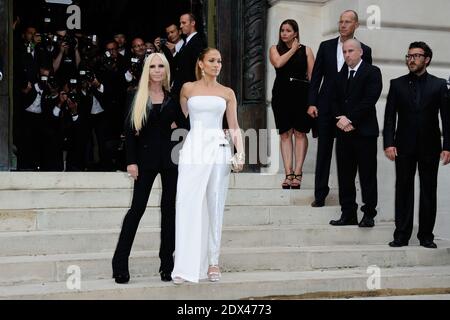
point(111, 75)
point(121, 40)
point(96, 118)
point(173, 43)
point(67, 59)
point(39, 138)
point(136, 63)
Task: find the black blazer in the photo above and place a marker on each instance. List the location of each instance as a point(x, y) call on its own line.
point(151, 149)
point(359, 104)
point(325, 67)
point(185, 61)
point(417, 131)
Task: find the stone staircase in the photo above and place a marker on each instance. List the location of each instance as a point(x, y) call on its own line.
point(274, 243)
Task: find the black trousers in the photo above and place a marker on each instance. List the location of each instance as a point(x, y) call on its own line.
point(100, 124)
point(39, 145)
point(355, 153)
point(141, 193)
point(406, 167)
point(326, 134)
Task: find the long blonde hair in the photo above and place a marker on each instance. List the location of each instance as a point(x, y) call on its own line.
point(139, 109)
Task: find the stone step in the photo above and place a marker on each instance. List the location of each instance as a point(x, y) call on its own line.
point(95, 266)
point(104, 218)
point(120, 198)
point(101, 180)
point(240, 285)
point(89, 241)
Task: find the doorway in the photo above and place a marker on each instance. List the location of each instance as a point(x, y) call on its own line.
point(104, 17)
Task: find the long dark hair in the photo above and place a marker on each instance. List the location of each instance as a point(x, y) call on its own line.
point(198, 70)
point(282, 47)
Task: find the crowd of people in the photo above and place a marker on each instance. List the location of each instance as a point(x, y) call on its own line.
point(335, 94)
point(72, 93)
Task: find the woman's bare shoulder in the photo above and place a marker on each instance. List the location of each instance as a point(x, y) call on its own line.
point(228, 93)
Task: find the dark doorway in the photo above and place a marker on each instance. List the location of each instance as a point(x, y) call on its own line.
point(103, 18)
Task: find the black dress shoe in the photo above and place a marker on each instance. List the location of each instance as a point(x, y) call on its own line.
point(165, 276)
point(344, 222)
point(367, 222)
point(397, 244)
point(122, 278)
point(428, 244)
point(318, 204)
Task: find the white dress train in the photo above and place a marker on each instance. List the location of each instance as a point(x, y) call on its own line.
point(204, 172)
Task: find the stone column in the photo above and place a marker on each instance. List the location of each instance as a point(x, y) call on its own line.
point(4, 88)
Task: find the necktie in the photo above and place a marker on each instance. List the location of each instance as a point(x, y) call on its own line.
point(350, 82)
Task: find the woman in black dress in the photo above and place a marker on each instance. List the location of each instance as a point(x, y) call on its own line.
point(293, 63)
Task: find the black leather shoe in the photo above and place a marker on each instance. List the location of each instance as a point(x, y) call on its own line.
point(165, 276)
point(367, 222)
point(344, 222)
point(428, 244)
point(318, 204)
point(122, 278)
point(397, 244)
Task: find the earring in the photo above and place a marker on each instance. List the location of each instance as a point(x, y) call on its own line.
point(203, 73)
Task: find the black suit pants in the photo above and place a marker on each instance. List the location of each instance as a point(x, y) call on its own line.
point(406, 167)
point(326, 134)
point(355, 153)
point(141, 193)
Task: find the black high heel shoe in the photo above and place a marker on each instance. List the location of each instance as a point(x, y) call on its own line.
point(295, 185)
point(122, 278)
point(165, 276)
point(287, 185)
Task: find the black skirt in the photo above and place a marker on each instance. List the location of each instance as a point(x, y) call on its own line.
point(289, 104)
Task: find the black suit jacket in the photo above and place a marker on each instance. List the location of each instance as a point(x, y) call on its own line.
point(151, 149)
point(359, 103)
point(417, 130)
point(185, 61)
point(325, 68)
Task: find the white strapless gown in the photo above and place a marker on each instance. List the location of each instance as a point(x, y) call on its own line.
point(203, 178)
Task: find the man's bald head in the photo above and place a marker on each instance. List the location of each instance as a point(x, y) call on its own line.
point(353, 52)
point(353, 42)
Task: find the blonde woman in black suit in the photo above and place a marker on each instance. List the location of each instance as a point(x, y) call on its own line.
point(153, 117)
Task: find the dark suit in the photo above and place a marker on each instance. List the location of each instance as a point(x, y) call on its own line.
point(151, 150)
point(320, 94)
point(39, 140)
point(415, 102)
point(184, 63)
point(357, 150)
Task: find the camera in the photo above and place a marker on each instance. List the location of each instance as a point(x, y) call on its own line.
point(72, 96)
point(48, 39)
point(163, 41)
point(87, 75)
point(70, 40)
point(136, 65)
point(49, 81)
point(88, 42)
point(148, 52)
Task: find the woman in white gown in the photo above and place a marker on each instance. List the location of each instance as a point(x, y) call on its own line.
point(204, 170)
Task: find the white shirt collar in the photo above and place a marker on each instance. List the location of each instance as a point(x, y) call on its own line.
point(355, 68)
point(190, 37)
